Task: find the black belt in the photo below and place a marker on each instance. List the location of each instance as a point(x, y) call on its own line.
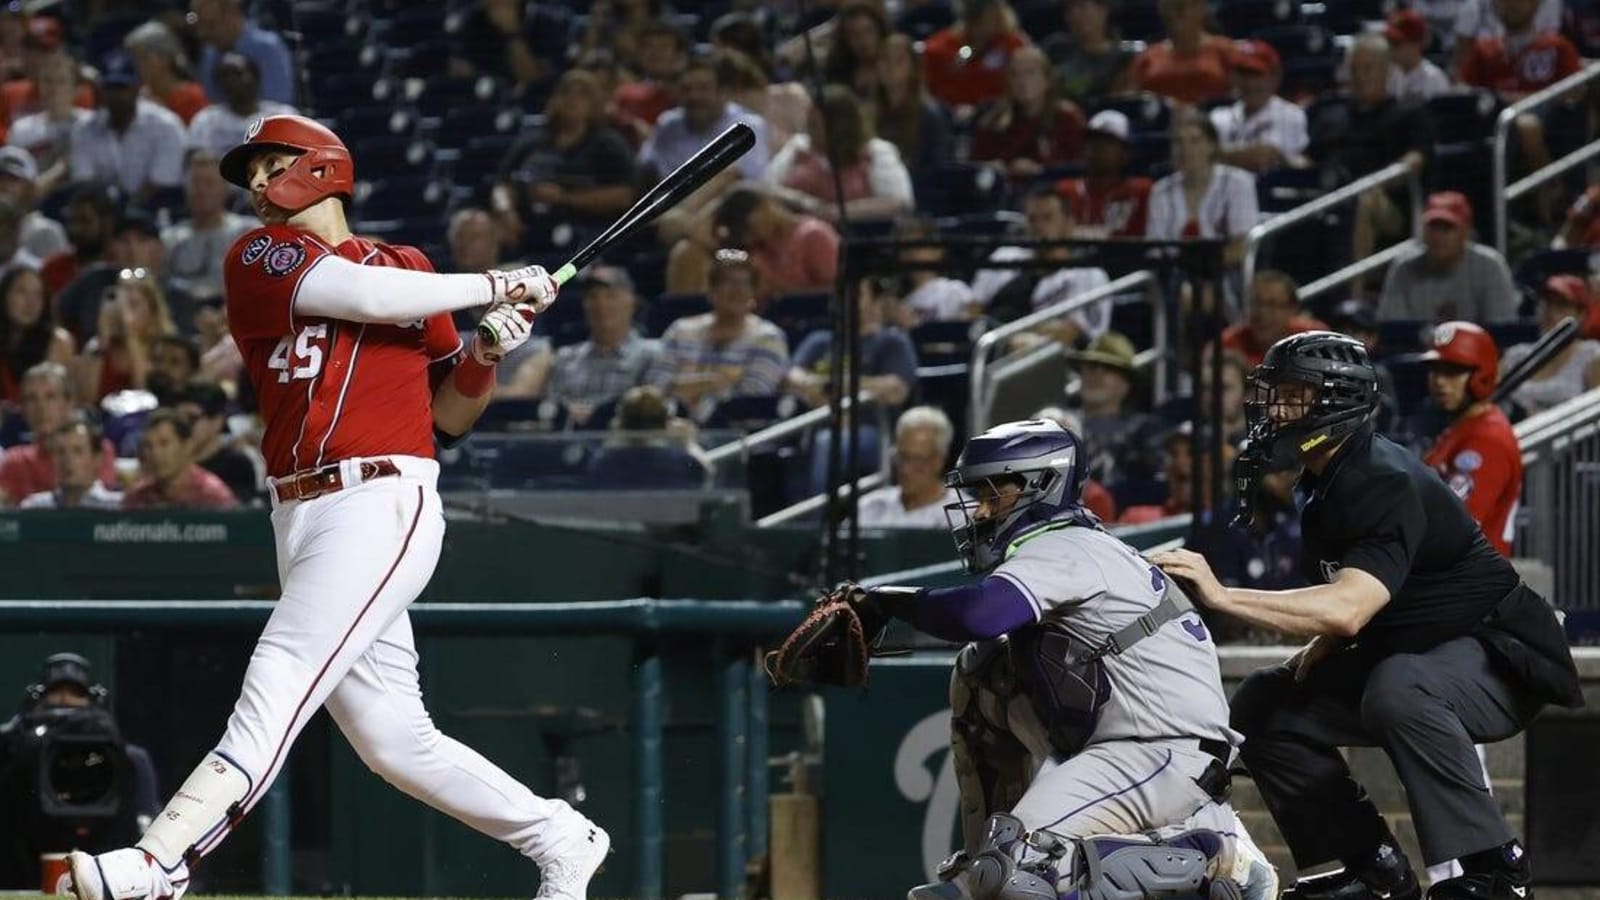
point(1215, 780)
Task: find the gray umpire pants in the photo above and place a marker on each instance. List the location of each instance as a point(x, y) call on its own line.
point(1426, 710)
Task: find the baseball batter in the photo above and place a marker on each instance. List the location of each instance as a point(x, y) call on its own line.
point(1089, 664)
point(351, 351)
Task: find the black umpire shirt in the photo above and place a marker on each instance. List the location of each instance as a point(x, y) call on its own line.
point(1376, 507)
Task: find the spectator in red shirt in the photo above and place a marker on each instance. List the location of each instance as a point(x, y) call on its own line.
point(27, 469)
point(965, 64)
point(1272, 312)
point(790, 252)
point(1107, 202)
point(1517, 64)
point(169, 475)
point(133, 317)
point(663, 50)
point(1191, 65)
point(164, 70)
point(91, 216)
point(1032, 128)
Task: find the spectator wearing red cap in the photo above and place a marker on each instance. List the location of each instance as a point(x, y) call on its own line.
point(965, 64)
point(1260, 131)
point(1452, 276)
point(1473, 19)
point(1572, 371)
point(1107, 201)
point(1032, 128)
point(1191, 65)
point(1412, 77)
point(42, 43)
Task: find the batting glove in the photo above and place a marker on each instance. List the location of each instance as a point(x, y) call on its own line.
point(530, 285)
point(510, 324)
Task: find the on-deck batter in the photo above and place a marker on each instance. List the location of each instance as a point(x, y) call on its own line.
point(351, 351)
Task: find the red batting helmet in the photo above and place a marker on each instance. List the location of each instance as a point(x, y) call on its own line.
point(1467, 345)
point(323, 169)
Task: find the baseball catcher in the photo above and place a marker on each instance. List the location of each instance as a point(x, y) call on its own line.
point(1089, 727)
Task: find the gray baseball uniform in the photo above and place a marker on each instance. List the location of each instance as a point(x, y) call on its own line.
point(1137, 772)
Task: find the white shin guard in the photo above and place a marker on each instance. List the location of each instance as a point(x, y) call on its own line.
point(208, 800)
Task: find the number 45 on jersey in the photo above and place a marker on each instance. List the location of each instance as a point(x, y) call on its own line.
point(305, 361)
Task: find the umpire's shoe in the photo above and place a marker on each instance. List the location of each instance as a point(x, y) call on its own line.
point(1386, 875)
point(1499, 874)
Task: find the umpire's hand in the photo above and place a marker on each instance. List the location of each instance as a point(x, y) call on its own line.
point(1192, 570)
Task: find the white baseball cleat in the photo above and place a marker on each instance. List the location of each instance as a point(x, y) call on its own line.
point(126, 874)
point(565, 875)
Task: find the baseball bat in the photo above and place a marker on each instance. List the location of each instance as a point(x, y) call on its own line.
point(1547, 346)
point(687, 178)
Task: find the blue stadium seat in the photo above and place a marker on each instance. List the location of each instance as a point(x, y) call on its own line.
point(1463, 116)
point(395, 155)
point(362, 123)
point(546, 415)
point(343, 58)
point(1532, 272)
point(1146, 112)
point(1284, 188)
point(338, 93)
point(481, 157)
point(320, 24)
point(958, 188)
point(415, 24)
point(942, 343)
point(107, 35)
point(400, 198)
point(1140, 20)
point(1310, 56)
point(1509, 334)
point(1247, 16)
point(799, 314)
point(1351, 16)
point(438, 96)
point(669, 308)
point(747, 414)
point(922, 20)
point(462, 124)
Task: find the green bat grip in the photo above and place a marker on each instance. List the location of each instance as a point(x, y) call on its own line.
point(562, 275)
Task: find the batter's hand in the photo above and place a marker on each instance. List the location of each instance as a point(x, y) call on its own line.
point(531, 285)
point(1192, 569)
point(511, 323)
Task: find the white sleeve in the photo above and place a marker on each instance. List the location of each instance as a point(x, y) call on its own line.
point(1222, 121)
point(1242, 212)
point(167, 168)
point(1094, 319)
point(886, 172)
point(778, 169)
point(1161, 224)
point(754, 164)
point(80, 166)
point(337, 288)
point(1292, 131)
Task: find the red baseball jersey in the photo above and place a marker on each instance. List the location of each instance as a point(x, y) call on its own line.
point(330, 389)
point(1121, 211)
point(1545, 60)
point(1481, 461)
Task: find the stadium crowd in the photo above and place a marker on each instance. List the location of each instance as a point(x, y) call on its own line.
point(498, 131)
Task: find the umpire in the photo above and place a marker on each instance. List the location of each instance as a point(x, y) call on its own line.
point(1423, 641)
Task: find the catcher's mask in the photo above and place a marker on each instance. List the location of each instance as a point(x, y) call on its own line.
point(1045, 464)
point(1310, 391)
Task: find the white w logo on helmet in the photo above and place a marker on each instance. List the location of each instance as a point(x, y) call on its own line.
point(254, 129)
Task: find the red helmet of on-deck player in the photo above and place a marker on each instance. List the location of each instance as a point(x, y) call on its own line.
point(322, 169)
point(1467, 345)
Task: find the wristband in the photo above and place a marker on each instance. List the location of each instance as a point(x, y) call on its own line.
point(473, 378)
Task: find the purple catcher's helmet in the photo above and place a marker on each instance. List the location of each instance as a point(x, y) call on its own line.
point(1044, 458)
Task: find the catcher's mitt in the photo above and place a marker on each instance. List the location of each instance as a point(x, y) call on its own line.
point(832, 645)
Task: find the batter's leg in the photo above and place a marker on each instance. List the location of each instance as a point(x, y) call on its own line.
point(379, 708)
point(356, 560)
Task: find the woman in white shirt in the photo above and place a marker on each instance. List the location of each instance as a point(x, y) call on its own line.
point(1202, 198)
point(876, 182)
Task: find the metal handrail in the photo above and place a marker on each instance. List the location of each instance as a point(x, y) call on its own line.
point(1502, 133)
point(977, 415)
point(1540, 430)
point(816, 502)
point(1357, 269)
point(775, 432)
point(1393, 172)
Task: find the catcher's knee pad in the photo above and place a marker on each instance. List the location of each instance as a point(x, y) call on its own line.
point(211, 798)
point(994, 872)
